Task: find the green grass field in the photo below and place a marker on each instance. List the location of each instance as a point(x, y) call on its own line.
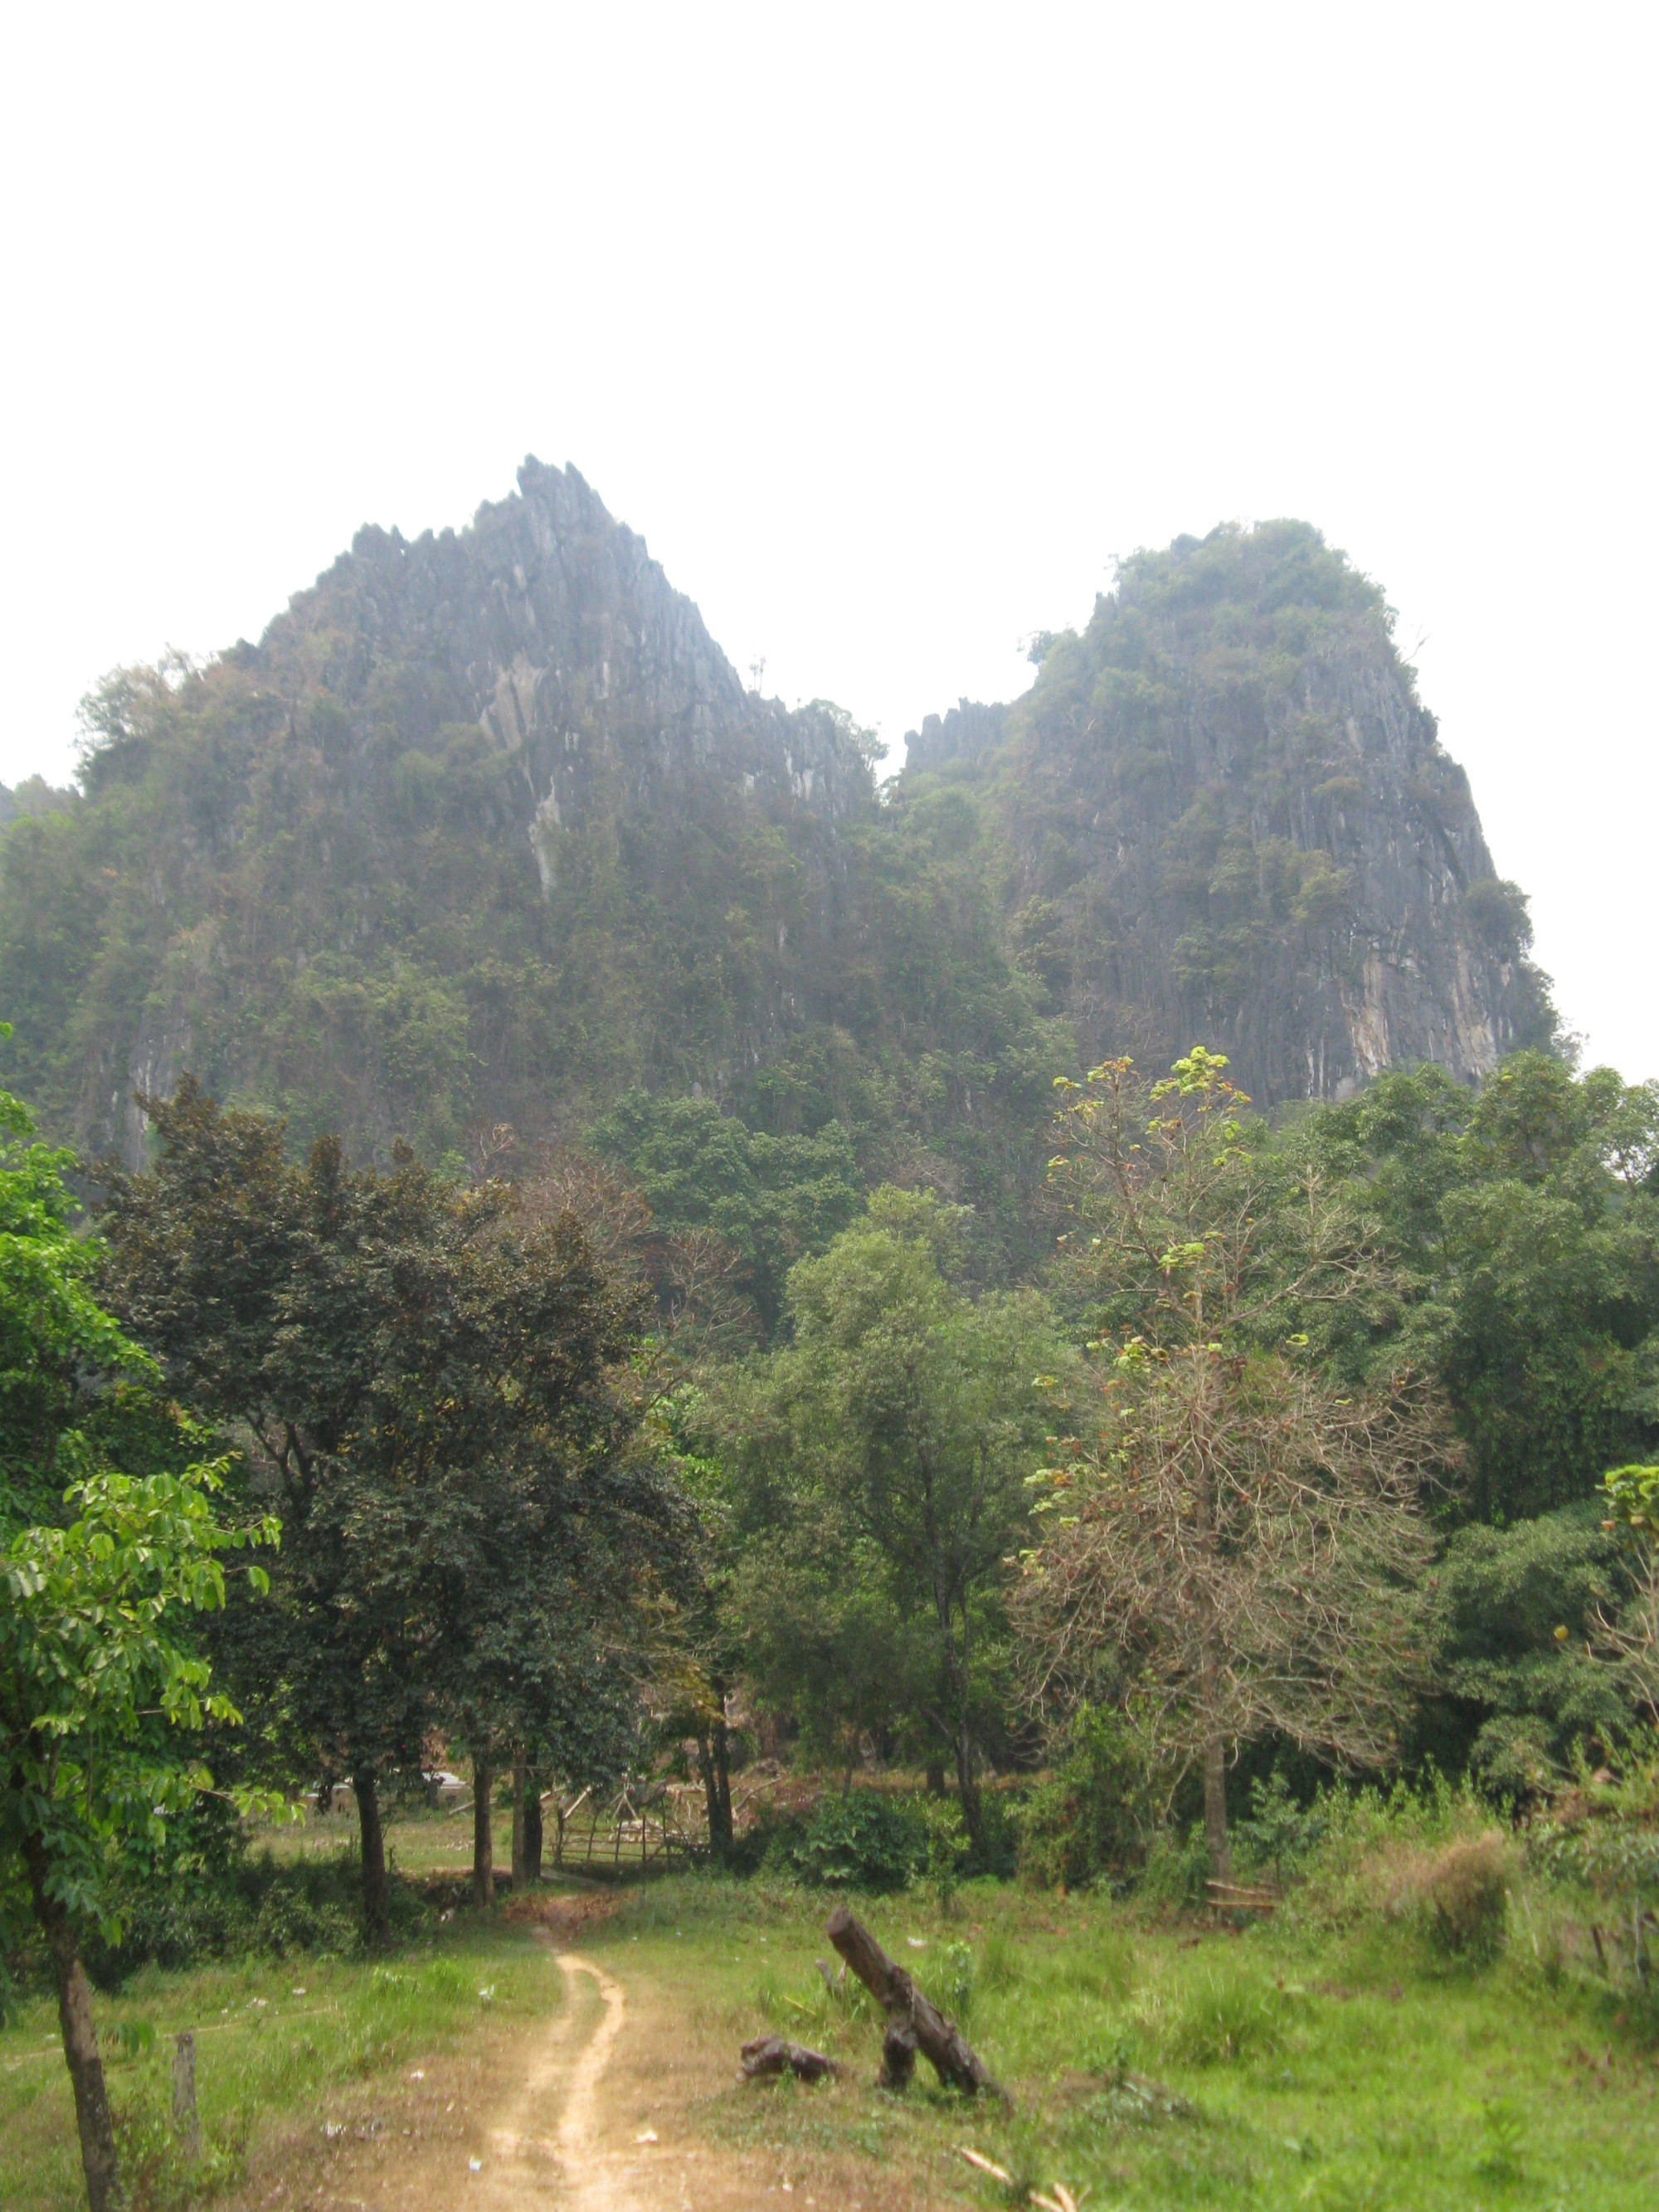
point(1149, 2065)
point(1300, 2071)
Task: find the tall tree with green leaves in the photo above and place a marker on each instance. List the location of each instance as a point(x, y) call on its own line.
point(104, 1689)
point(428, 1380)
point(891, 1441)
point(1523, 1223)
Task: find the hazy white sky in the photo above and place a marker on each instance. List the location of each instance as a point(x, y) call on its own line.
point(887, 327)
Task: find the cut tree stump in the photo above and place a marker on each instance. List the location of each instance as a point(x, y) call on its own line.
point(775, 2054)
point(940, 2041)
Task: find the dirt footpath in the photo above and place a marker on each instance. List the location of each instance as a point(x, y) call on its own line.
point(594, 2109)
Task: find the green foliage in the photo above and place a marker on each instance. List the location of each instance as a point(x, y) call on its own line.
point(1280, 1834)
point(884, 1453)
point(97, 1674)
point(1523, 1221)
point(949, 1847)
point(102, 1683)
point(1517, 1691)
point(862, 1840)
point(1091, 1820)
point(774, 1200)
point(258, 1907)
point(433, 1381)
point(70, 1384)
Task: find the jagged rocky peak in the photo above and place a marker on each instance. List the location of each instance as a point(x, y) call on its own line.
point(1227, 816)
point(548, 622)
point(962, 733)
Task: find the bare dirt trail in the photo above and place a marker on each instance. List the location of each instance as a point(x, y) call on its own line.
point(598, 2108)
point(550, 2145)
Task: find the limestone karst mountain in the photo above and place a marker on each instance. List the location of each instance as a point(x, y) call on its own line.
point(486, 829)
point(1227, 815)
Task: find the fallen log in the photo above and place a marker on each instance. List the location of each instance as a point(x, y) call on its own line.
point(775, 2054)
point(940, 2041)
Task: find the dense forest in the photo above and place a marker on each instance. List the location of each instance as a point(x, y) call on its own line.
point(582, 1235)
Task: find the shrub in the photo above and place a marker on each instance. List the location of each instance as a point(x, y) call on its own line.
point(1461, 1893)
point(257, 1905)
point(861, 1841)
point(1223, 2017)
point(1281, 1835)
point(998, 1849)
point(1177, 1866)
point(1090, 1821)
point(946, 1834)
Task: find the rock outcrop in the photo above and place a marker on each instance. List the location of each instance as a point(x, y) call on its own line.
point(1227, 817)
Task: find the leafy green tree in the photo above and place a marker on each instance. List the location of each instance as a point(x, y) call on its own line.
point(1524, 1226)
point(900, 1423)
point(1514, 1696)
point(427, 1379)
point(772, 1200)
point(1628, 1633)
point(104, 1691)
point(54, 1336)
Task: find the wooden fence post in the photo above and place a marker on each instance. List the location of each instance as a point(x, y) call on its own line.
point(185, 2118)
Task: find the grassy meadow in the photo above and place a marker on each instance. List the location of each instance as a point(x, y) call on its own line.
point(1165, 2064)
point(1330, 2058)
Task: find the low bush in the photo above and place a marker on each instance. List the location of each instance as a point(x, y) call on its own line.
point(1460, 1895)
point(1222, 2017)
point(1177, 1866)
point(1090, 1821)
point(863, 1840)
point(258, 1907)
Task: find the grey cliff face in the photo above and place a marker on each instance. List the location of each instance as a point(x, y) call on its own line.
point(1227, 819)
point(548, 622)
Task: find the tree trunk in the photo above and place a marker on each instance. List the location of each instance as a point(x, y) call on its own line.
point(532, 1831)
point(1215, 1809)
point(771, 2054)
point(85, 2069)
point(898, 2057)
point(947, 2049)
point(722, 1779)
point(714, 1764)
point(933, 1777)
point(372, 1848)
point(962, 1733)
point(483, 1842)
point(972, 1815)
point(518, 1826)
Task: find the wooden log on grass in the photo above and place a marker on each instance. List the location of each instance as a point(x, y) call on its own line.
point(940, 2041)
point(775, 2054)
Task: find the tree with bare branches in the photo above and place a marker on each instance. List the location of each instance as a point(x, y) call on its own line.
point(1233, 1542)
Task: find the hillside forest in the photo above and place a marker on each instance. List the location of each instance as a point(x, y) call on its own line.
point(552, 1226)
